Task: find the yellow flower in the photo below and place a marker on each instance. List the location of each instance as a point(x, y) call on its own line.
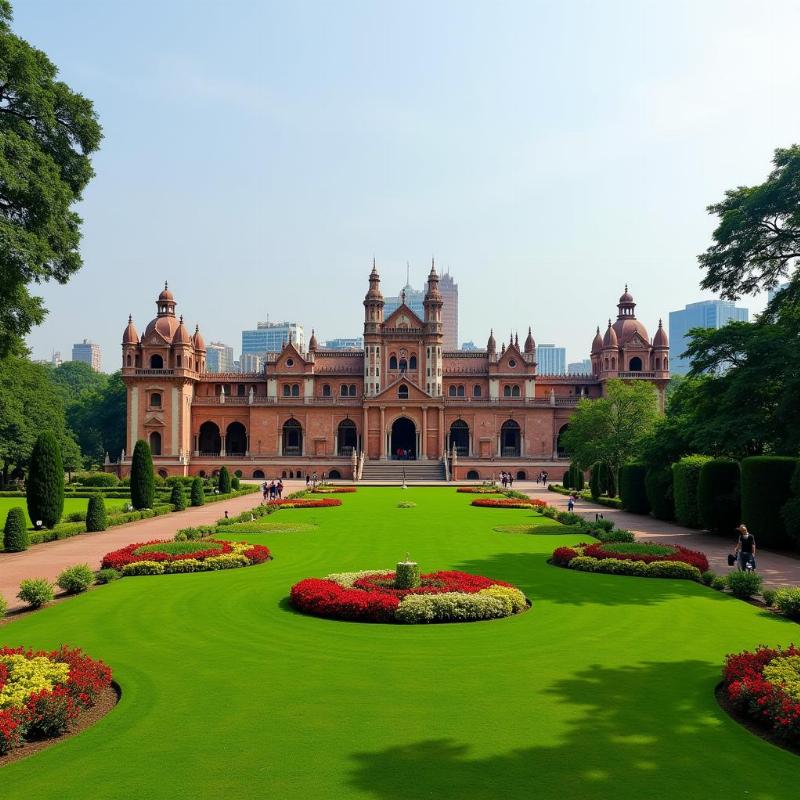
point(27, 676)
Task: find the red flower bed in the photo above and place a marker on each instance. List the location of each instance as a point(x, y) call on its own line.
point(127, 555)
point(302, 502)
point(333, 490)
point(767, 702)
point(602, 550)
point(373, 598)
point(478, 490)
point(563, 555)
point(258, 553)
point(50, 712)
point(502, 502)
point(538, 503)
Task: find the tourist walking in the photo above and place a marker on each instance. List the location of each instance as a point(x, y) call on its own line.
point(308, 481)
point(745, 552)
point(280, 489)
point(570, 504)
point(503, 479)
point(264, 492)
point(510, 480)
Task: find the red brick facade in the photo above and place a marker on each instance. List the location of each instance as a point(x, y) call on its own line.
point(403, 396)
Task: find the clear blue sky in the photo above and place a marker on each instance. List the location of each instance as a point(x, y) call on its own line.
point(258, 154)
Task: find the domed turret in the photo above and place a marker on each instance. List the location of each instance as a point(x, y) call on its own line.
point(312, 342)
point(166, 294)
point(610, 338)
point(199, 341)
point(627, 326)
point(597, 342)
point(131, 335)
point(491, 345)
point(660, 339)
point(626, 298)
point(530, 345)
point(182, 335)
point(374, 292)
point(165, 324)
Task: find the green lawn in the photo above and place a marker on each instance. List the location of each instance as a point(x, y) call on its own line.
point(604, 689)
point(70, 504)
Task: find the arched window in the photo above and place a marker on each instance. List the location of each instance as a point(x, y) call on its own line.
point(521, 475)
point(658, 362)
point(403, 365)
point(343, 392)
point(201, 474)
point(561, 451)
point(346, 437)
point(392, 362)
point(402, 392)
point(412, 362)
point(613, 362)
point(236, 439)
point(352, 390)
point(635, 364)
point(451, 392)
point(178, 360)
point(515, 391)
point(510, 439)
point(335, 475)
point(209, 440)
point(472, 475)
point(326, 390)
point(287, 390)
point(128, 360)
point(155, 443)
point(506, 391)
point(191, 363)
point(295, 390)
point(476, 390)
point(163, 473)
point(666, 362)
point(459, 437)
point(155, 399)
point(156, 362)
point(259, 474)
point(292, 438)
point(460, 390)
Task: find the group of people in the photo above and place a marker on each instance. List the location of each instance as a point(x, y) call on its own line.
point(506, 479)
point(541, 478)
point(311, 480)
point(404, 454)
point(272, 490)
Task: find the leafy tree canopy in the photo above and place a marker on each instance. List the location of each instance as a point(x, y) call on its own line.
point(47, 133)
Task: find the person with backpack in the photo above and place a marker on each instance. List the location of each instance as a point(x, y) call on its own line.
point(745, 551)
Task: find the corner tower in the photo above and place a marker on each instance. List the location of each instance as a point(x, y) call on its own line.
point(373, 325)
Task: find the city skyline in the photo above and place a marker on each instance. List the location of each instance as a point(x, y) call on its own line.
point(383, 153)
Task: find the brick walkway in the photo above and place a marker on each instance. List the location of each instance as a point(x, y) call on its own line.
point(776, 570)
point(48, 560)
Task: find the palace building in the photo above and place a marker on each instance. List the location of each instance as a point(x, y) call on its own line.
point(402, 405)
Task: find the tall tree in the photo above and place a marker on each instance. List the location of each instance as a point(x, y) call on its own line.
point(47, 133)
point(45, 486)
point(611, 429)
point(757, 240)
point(142, 482)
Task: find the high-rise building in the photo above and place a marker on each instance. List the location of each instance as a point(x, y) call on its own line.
point(777, 290)
point(469, 347)
point(56, 359)
point(269, 337)
point(251, 362)
point(580, 367)
point(703, 314)
point(355, 343)
point(89, 353)
point(219, 357)
point(551, 360)
point(414, 298)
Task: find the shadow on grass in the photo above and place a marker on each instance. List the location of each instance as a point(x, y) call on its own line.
point(642, 731)
point(542, 581)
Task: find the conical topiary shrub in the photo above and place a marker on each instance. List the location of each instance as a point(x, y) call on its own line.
point(15, 532)
point(142, 483)
point(224, 481)
point(177, 497)
point(198, 496)
point(45, 487)
point(96, 514)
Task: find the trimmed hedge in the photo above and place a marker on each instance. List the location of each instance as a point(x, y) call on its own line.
point(224, 483)
point(791, 509)
point(766, 486)
point(632, 490)
point(96, 519)
point(576, 477)
point(45, 487)
point(658, 485)
point(198, 495)
point(177, 497)
point(718, 495)
point(142, 479)
point(566, 481)
point(15, 532)
point(685, 480)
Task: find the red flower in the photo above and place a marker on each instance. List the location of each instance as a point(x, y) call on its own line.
point(563, 555)
point(602, 551)
point(502, 502)
point(127, 555)
point(258, 553)
point(302, 502)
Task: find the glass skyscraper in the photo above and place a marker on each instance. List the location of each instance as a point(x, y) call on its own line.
point(269, 337)
point(551, 360)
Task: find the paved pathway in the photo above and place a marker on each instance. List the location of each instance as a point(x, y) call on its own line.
point(49, 559)
point(775, 569)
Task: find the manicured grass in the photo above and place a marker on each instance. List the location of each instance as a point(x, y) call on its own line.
point(175, 548)
point(604, 689)
point(641, 548)
point(70, 504)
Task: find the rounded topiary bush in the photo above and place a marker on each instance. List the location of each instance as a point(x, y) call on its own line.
point(235, 483)
point(15, 531)
point(658, 485)
point(96, 514)
point(142, 480)
point(632, 488)
point(177, 497)
point(718, 495)
point(224, 484)
point(35, 592)
point(766, 486)
point(45, 486)
point(198, 495)
point(74, 580)
point(685, 480)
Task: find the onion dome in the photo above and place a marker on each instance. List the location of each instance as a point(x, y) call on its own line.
point(627, 326)
point(660, 339)
point(164, 325)
point(166, 294)
point(130, 336)
point(627, 297)
point(491, 345)
point(182, 335)
point(312, 342)
point(597, 342)
point(374, 292)
point(199, 341)
point(610, 339)
point(530, 345)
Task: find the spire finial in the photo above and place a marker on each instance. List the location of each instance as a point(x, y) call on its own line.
point(659, 322)
point(181, 320)
point(166, 285)
point(130, 318)
point(626, 286)
point(408, 273)
point(609, 322)
point(197, 327)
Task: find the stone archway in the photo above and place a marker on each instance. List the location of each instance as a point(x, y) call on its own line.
point(209, 440)
point(236, 440)
point(459, 437)
point(403, 439)
point(510, 439)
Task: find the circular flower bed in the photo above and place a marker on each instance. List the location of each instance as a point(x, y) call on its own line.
point(373, 596)
point(633, 558)
point(304, 502)
point(765, 686)
point(166, 557)
point(42, 694)
point(503, 502)
point(333, 490)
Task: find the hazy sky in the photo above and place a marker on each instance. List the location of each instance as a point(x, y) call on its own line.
point(258, 155)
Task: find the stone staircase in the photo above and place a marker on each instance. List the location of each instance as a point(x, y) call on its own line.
point(392, 471)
